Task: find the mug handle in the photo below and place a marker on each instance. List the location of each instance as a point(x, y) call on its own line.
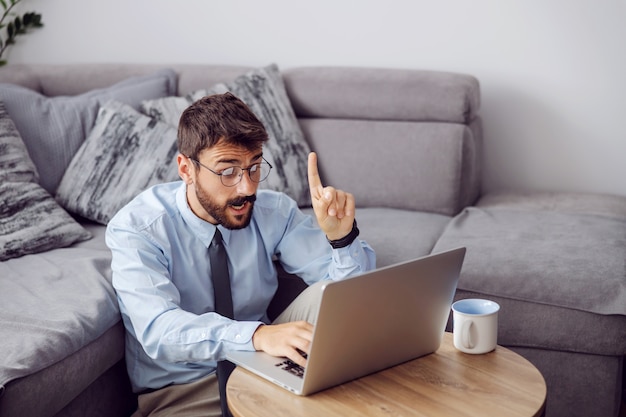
point(465, 334)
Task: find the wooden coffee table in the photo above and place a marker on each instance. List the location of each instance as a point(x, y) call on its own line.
point(445, 383)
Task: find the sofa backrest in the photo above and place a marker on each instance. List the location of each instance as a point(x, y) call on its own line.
point(407, 139)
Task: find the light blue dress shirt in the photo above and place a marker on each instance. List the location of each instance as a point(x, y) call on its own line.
point(161, 273)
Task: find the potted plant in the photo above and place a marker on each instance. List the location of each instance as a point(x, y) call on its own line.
point(15, 26)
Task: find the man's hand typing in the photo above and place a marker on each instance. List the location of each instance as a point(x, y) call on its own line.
point(284, 340)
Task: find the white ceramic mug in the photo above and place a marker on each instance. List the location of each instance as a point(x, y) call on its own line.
point(475, 325)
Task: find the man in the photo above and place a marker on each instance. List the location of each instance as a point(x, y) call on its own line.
point(163, 276)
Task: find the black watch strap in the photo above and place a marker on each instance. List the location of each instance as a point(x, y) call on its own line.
point(346, 240)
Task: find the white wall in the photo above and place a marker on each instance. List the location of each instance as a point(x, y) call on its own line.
point(552, 71)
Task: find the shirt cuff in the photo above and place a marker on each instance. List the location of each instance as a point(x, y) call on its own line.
point(349, 260)
point(238, 336)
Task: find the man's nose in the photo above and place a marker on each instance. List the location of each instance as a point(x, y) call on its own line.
point(246, 186)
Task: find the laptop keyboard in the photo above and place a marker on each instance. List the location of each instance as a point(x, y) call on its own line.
point(292, 367)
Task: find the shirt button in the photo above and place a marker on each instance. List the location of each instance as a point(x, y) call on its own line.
point(238, 337)
point(203, 335)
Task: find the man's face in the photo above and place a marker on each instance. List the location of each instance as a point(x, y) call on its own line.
point(210, 199)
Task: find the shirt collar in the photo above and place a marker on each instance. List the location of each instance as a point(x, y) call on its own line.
point(202, 229)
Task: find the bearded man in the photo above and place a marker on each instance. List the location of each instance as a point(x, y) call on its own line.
point(164, 275)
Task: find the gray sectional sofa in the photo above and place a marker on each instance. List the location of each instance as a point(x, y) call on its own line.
point(408, 145)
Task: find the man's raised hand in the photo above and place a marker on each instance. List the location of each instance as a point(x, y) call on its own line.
point(334, 209)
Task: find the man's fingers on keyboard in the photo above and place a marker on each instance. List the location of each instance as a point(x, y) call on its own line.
point(298, 357)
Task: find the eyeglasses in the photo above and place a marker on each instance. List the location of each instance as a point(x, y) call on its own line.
point(231, 176)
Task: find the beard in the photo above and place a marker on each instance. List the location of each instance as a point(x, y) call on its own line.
point(220, 212)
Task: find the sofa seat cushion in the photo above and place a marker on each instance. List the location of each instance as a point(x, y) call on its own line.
point(398, 235)
point(53, 304)
point(62, 382)
point(563, 258)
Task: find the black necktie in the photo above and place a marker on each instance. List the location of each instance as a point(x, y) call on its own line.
point(223, 306)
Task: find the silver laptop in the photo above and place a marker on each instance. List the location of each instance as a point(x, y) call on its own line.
point(369, 322)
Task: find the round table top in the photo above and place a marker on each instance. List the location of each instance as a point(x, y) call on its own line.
point(445, 383)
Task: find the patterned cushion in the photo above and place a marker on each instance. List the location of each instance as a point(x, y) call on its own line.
point(15, 163)
point(53, 128)
point(264, 92)
point(30, 220)
point(125, 153)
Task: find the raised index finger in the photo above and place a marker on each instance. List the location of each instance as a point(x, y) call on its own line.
point(315, 183)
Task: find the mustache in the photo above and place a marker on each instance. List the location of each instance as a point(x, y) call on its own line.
point(242, 200)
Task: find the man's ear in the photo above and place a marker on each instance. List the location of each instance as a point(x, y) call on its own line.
point(185, 169)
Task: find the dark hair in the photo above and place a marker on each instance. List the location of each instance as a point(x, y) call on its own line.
point(213, 118)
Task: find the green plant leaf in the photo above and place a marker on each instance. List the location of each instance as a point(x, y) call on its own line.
point(32, 20)
point(18, 26)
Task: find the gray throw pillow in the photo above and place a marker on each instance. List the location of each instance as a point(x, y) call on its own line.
point(30, 220)
point(15, 163)
point(125, 153)
point(53, 128)
point(263, 90)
